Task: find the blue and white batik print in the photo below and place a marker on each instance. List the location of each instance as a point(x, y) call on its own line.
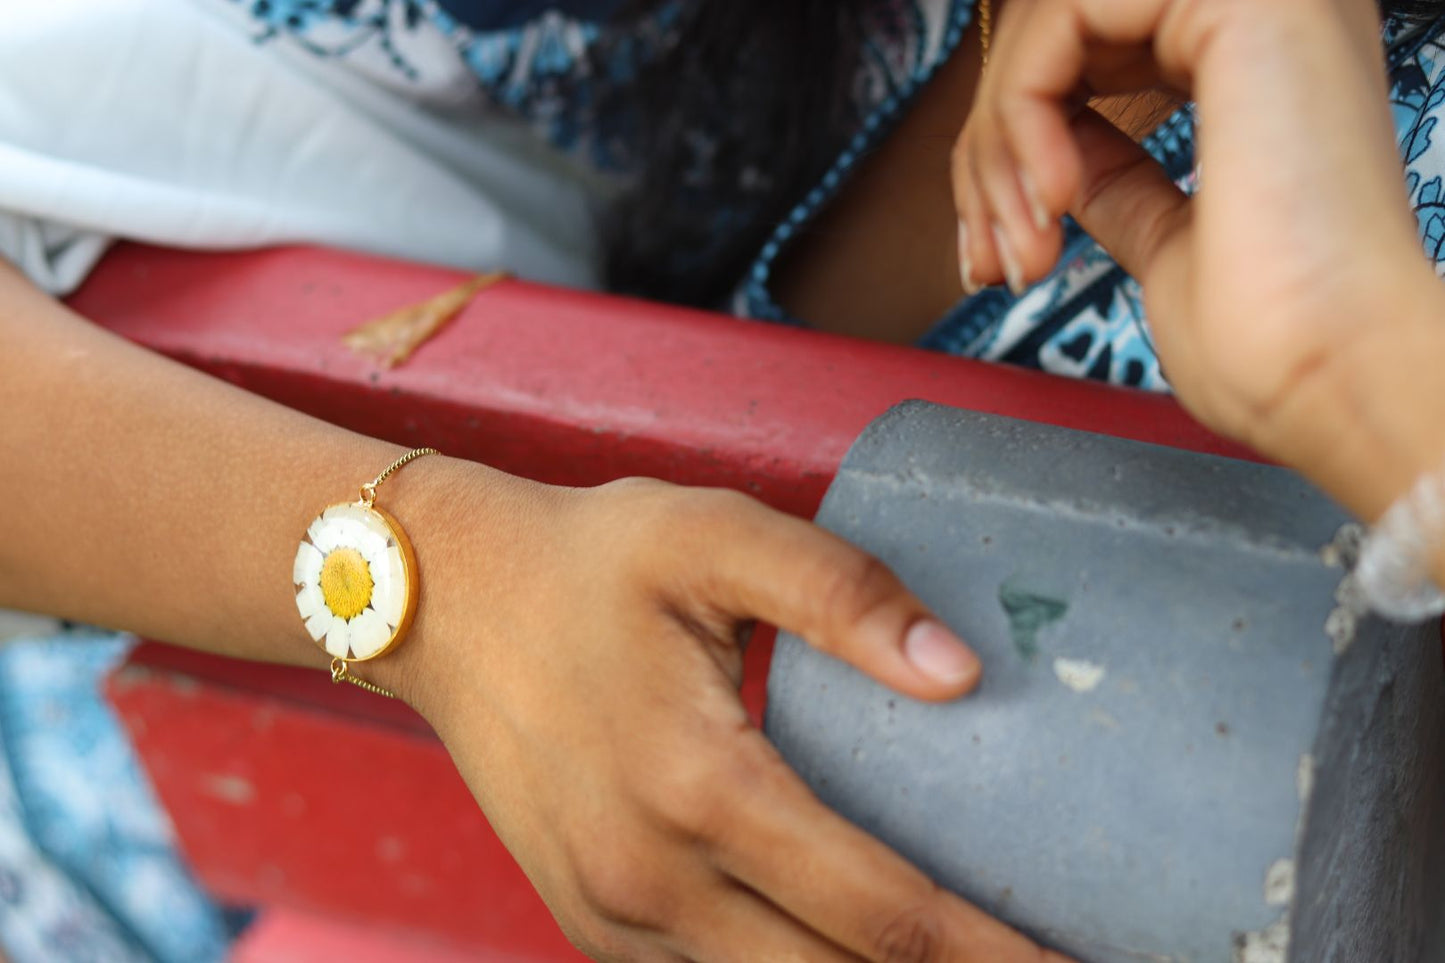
point(563, 70)
point(1087, 318)
point(89, 872)
point(1418, 97)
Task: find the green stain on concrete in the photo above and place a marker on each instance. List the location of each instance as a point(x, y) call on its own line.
point(1028, 613)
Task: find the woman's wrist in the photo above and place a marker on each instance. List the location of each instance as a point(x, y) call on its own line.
point(1369, 420)
point(466, 523)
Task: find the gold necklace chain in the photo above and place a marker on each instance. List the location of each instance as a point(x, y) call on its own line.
point(985, 27)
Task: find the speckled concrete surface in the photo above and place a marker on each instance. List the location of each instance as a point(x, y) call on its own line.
point(1160, 710)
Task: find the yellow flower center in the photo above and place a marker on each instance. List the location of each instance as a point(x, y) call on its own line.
point(346, 583)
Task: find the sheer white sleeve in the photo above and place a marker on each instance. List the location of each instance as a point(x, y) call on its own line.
point(159, 121)
point(56, 257)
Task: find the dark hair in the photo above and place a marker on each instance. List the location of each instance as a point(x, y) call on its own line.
point(781, 74)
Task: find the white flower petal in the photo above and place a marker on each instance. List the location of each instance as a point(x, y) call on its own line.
point(388, 596)
point(338, 638)
point(391, 607)
point(385, 535)
point(342, 530)
point(309, 600)
point(373, 549)
point(355, 513)
point(319, 624)
point(369, 633)
point(350, 532)
point(372, 520)
point(322, 535)
point(385, 573)
point(306, 570)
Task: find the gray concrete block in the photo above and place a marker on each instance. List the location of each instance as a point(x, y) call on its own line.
point(1435, 940)
point(1169, 759)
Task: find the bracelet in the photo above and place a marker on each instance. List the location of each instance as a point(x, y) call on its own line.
point(1393, 572)
point(356, 581)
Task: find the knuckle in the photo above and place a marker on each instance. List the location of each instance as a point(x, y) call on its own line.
point(720, 504)
point(995, 155)
point(617, 888)
point(1157, 227)
point(853, 590)
point(959, 155)
point(977, 159)
point(597, 940)
point(913, 936)
point(629, 508)
point(687, 803)
point(751, 774)
point(1105, 180)
point(636, 487)
point(607, 943)
point(696, 802)
point(962, 172)
point(708, 807)
point(702, 513)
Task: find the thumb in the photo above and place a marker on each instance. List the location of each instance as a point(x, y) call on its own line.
point(842, 600)
point(1126, 201)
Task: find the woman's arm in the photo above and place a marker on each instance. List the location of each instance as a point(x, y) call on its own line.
point(575, 649)
point(144, 495)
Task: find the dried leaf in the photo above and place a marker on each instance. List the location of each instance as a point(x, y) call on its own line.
point(392, 339)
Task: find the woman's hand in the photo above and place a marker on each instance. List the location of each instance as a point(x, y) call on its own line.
point(590, 701)
point(1299, 245)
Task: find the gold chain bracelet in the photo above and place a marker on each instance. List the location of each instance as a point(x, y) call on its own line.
point(356, 580)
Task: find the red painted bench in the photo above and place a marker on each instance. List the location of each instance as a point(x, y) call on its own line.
point(260, 766)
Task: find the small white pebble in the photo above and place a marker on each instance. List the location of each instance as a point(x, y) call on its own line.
point(1279, 883)
point(1304, 778)
point(1340, 629)
point(1268, 946)
point(1078, 675)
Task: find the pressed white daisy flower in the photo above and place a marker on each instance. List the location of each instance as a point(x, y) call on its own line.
point(355, 581)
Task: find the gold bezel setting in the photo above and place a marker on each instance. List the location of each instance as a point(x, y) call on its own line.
point(371, 581)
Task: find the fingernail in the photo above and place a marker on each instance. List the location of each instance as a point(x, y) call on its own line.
point(1036, 203)
point(965, 263)
point(1012, 271)
point(938, 653)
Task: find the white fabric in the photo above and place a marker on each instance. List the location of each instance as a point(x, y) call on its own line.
point(159, 120)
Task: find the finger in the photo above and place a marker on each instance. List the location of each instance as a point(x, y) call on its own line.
point(1050, 54)
point(737, 911)
point(848, 887)
point(1045, 154)
point(1028, 122)
point(1056, 54)
point(1126, 201)
point(1018, 221)
point(842, 600)
point(978, 263)
point(1025, 235)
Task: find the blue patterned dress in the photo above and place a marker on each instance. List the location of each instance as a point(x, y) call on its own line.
point(555, 64)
